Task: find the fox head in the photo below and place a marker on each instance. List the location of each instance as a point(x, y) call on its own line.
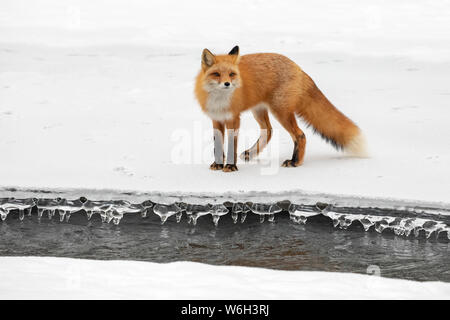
point(220, 72)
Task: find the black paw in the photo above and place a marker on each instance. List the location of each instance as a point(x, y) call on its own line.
point(216, 166)
point(230, 168)
point(245, 156)
point(290, 164)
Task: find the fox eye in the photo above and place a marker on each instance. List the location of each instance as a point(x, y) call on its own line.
point(216, 74)
point(232, 74)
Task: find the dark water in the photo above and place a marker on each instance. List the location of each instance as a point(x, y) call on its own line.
point(280, 245)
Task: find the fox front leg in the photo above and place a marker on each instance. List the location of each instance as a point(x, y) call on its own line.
point(219, 130)
point(232, 136)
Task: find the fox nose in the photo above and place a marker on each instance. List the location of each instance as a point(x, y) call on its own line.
point(227, 84)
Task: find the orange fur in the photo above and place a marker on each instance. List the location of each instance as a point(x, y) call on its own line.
point(276, 82)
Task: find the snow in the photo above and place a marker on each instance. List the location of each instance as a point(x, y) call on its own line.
point(100, 95)
point(65, 278)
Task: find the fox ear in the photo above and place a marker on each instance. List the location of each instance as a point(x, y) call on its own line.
point(208, 59)
point(234, 51)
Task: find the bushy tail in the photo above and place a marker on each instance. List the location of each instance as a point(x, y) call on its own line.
point(330, 123)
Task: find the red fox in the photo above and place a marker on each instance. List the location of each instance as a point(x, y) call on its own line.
point(230, 84)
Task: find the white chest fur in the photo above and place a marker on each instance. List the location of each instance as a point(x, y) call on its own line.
point(218, 105)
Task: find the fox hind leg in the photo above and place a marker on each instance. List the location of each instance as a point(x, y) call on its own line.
point(288, 121)
point(262, 117)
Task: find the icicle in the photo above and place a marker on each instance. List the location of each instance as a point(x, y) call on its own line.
point(61, 215)
point(301, 220)
point(380, 226)
point(243, 216)
point(235, 210)
point(147, 204)
point(217, 211)
point(67, 216)
point(216, 220)
point(103, 215)
point(40, 212)
point(21, 214)
point(274, 208)
point(366, 223)
point(109, 216)
point(271, 217)
point(116, 220)
point(29, 210)
point(195, 211)
point(335, 223)
point(299, 215)
point(50, 214)
point(144, 213)
point(344, 223)
point(89, 214)
point(429, 227)
point(178, 216)
point(3, 214)
point(72, 205)
point(417, 231)
point(165, 211)
point(261, 218)
point(234, 216)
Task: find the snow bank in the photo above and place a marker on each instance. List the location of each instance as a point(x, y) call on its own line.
point(97, 94)
point(63, 278)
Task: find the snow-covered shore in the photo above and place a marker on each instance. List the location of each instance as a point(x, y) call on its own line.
point(95, 97)
point(63, 278)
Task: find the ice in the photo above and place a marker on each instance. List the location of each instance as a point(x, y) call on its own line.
point(183, 206)
point(115, 216)
point(146, 205)
point(367, 223)
point(118, 208)
point(263, 209)
point(47, 205)
point(195, 211)
point(179, 214)
point(113, 211)
point(50, 214)
point(243, 216)
point(238, 207)
point(99, 207)
point(166, 211)
point(8, 204)
point(67, 207)
point(3, 214)
point(217, 211)
point(298, 215)
point(400, 226)
point(245, 211)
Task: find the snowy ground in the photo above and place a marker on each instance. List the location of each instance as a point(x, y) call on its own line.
point(62, 278)
point(96, 95)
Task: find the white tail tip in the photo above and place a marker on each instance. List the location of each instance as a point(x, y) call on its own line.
point(357, 147)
